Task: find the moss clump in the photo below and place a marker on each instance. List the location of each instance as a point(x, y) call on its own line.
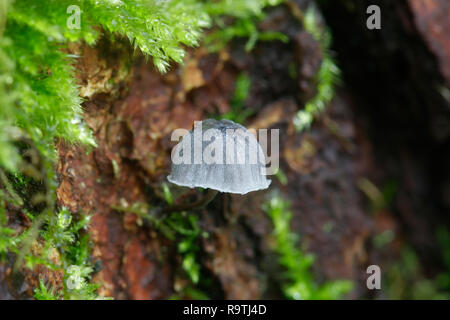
point(246, 14)
point(299, 280)
point(238, 112)
point(326, 78)
point(68, 236)
point(406, 279)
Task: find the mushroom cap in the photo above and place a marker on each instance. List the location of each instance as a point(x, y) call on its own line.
point(234, 168)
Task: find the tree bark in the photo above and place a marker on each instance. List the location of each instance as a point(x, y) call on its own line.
point(388, 120)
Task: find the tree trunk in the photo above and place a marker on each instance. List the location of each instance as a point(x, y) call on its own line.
point(388, 121)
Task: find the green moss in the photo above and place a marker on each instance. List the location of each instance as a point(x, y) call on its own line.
point(44, 293)
point(246, 14)
point(68, 236)
point(188, 232)
point(405, 278)
point(185, 230)
point(191, 293)
point(238, 112)
point(9, 239)
point(299, 282)
point(327, 76)
point(281, 176)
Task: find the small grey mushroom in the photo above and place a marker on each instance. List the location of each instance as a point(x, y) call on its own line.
point(222, 156)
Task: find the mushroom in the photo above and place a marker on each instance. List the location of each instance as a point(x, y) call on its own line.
point(221, 156)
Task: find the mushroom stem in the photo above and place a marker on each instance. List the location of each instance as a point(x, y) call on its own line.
point(199, 204)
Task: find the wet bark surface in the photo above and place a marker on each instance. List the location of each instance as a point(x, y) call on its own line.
point(388, 121)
